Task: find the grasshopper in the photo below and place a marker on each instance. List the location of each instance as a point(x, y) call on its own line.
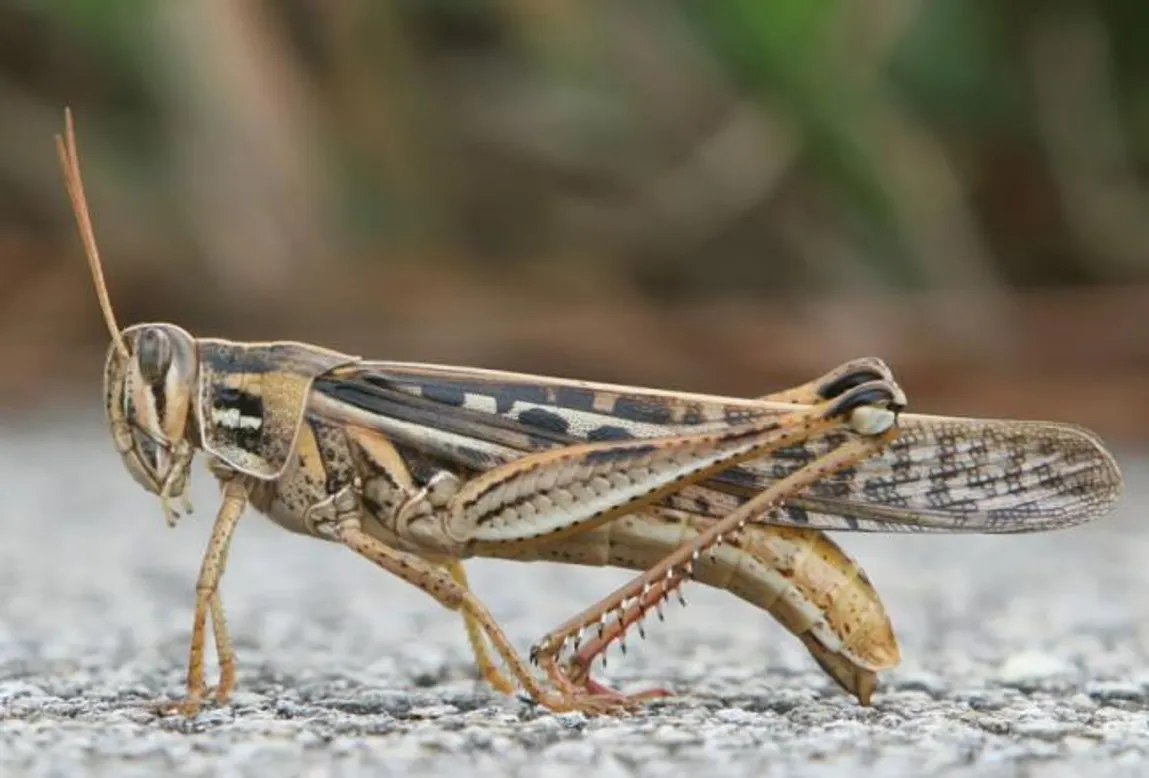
point(417, 467)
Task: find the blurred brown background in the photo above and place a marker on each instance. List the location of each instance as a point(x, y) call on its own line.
point(729, 196)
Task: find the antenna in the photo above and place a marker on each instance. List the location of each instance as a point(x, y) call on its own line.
point(70, 162)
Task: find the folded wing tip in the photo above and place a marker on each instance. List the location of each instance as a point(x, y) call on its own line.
point(1092, 476)
point(1110, 482)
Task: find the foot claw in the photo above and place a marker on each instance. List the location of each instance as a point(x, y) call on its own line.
point(599, 704)
point(631, 701)
point(595, 699)
point(187, 708)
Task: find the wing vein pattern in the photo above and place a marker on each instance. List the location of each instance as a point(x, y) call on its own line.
point(943, 474)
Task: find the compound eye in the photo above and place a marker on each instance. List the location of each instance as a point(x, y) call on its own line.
point(154, 355)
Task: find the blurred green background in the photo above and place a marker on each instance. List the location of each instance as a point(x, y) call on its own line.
point(727, 196)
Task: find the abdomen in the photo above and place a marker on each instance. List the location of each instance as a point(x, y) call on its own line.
point(800, 576)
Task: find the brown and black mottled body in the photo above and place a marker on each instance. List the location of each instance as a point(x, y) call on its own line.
point(415, 467)
point(304, 428)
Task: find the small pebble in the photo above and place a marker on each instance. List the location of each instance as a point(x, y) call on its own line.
point(1114, 690)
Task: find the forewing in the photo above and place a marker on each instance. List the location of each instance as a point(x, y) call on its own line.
point(943, 474)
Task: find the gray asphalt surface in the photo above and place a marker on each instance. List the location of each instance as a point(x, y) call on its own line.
point(1022, 655)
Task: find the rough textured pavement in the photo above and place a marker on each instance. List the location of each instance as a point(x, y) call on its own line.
point(1022, 655)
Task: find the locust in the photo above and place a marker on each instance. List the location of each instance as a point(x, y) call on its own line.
point(419, 467)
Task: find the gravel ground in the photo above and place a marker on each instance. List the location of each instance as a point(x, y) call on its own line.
point(1022, 655)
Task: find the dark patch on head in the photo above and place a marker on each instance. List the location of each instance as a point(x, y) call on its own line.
point(544, 419)
point(641, 410)
point(445, 393)
point(160, 398)
point(609, 432)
